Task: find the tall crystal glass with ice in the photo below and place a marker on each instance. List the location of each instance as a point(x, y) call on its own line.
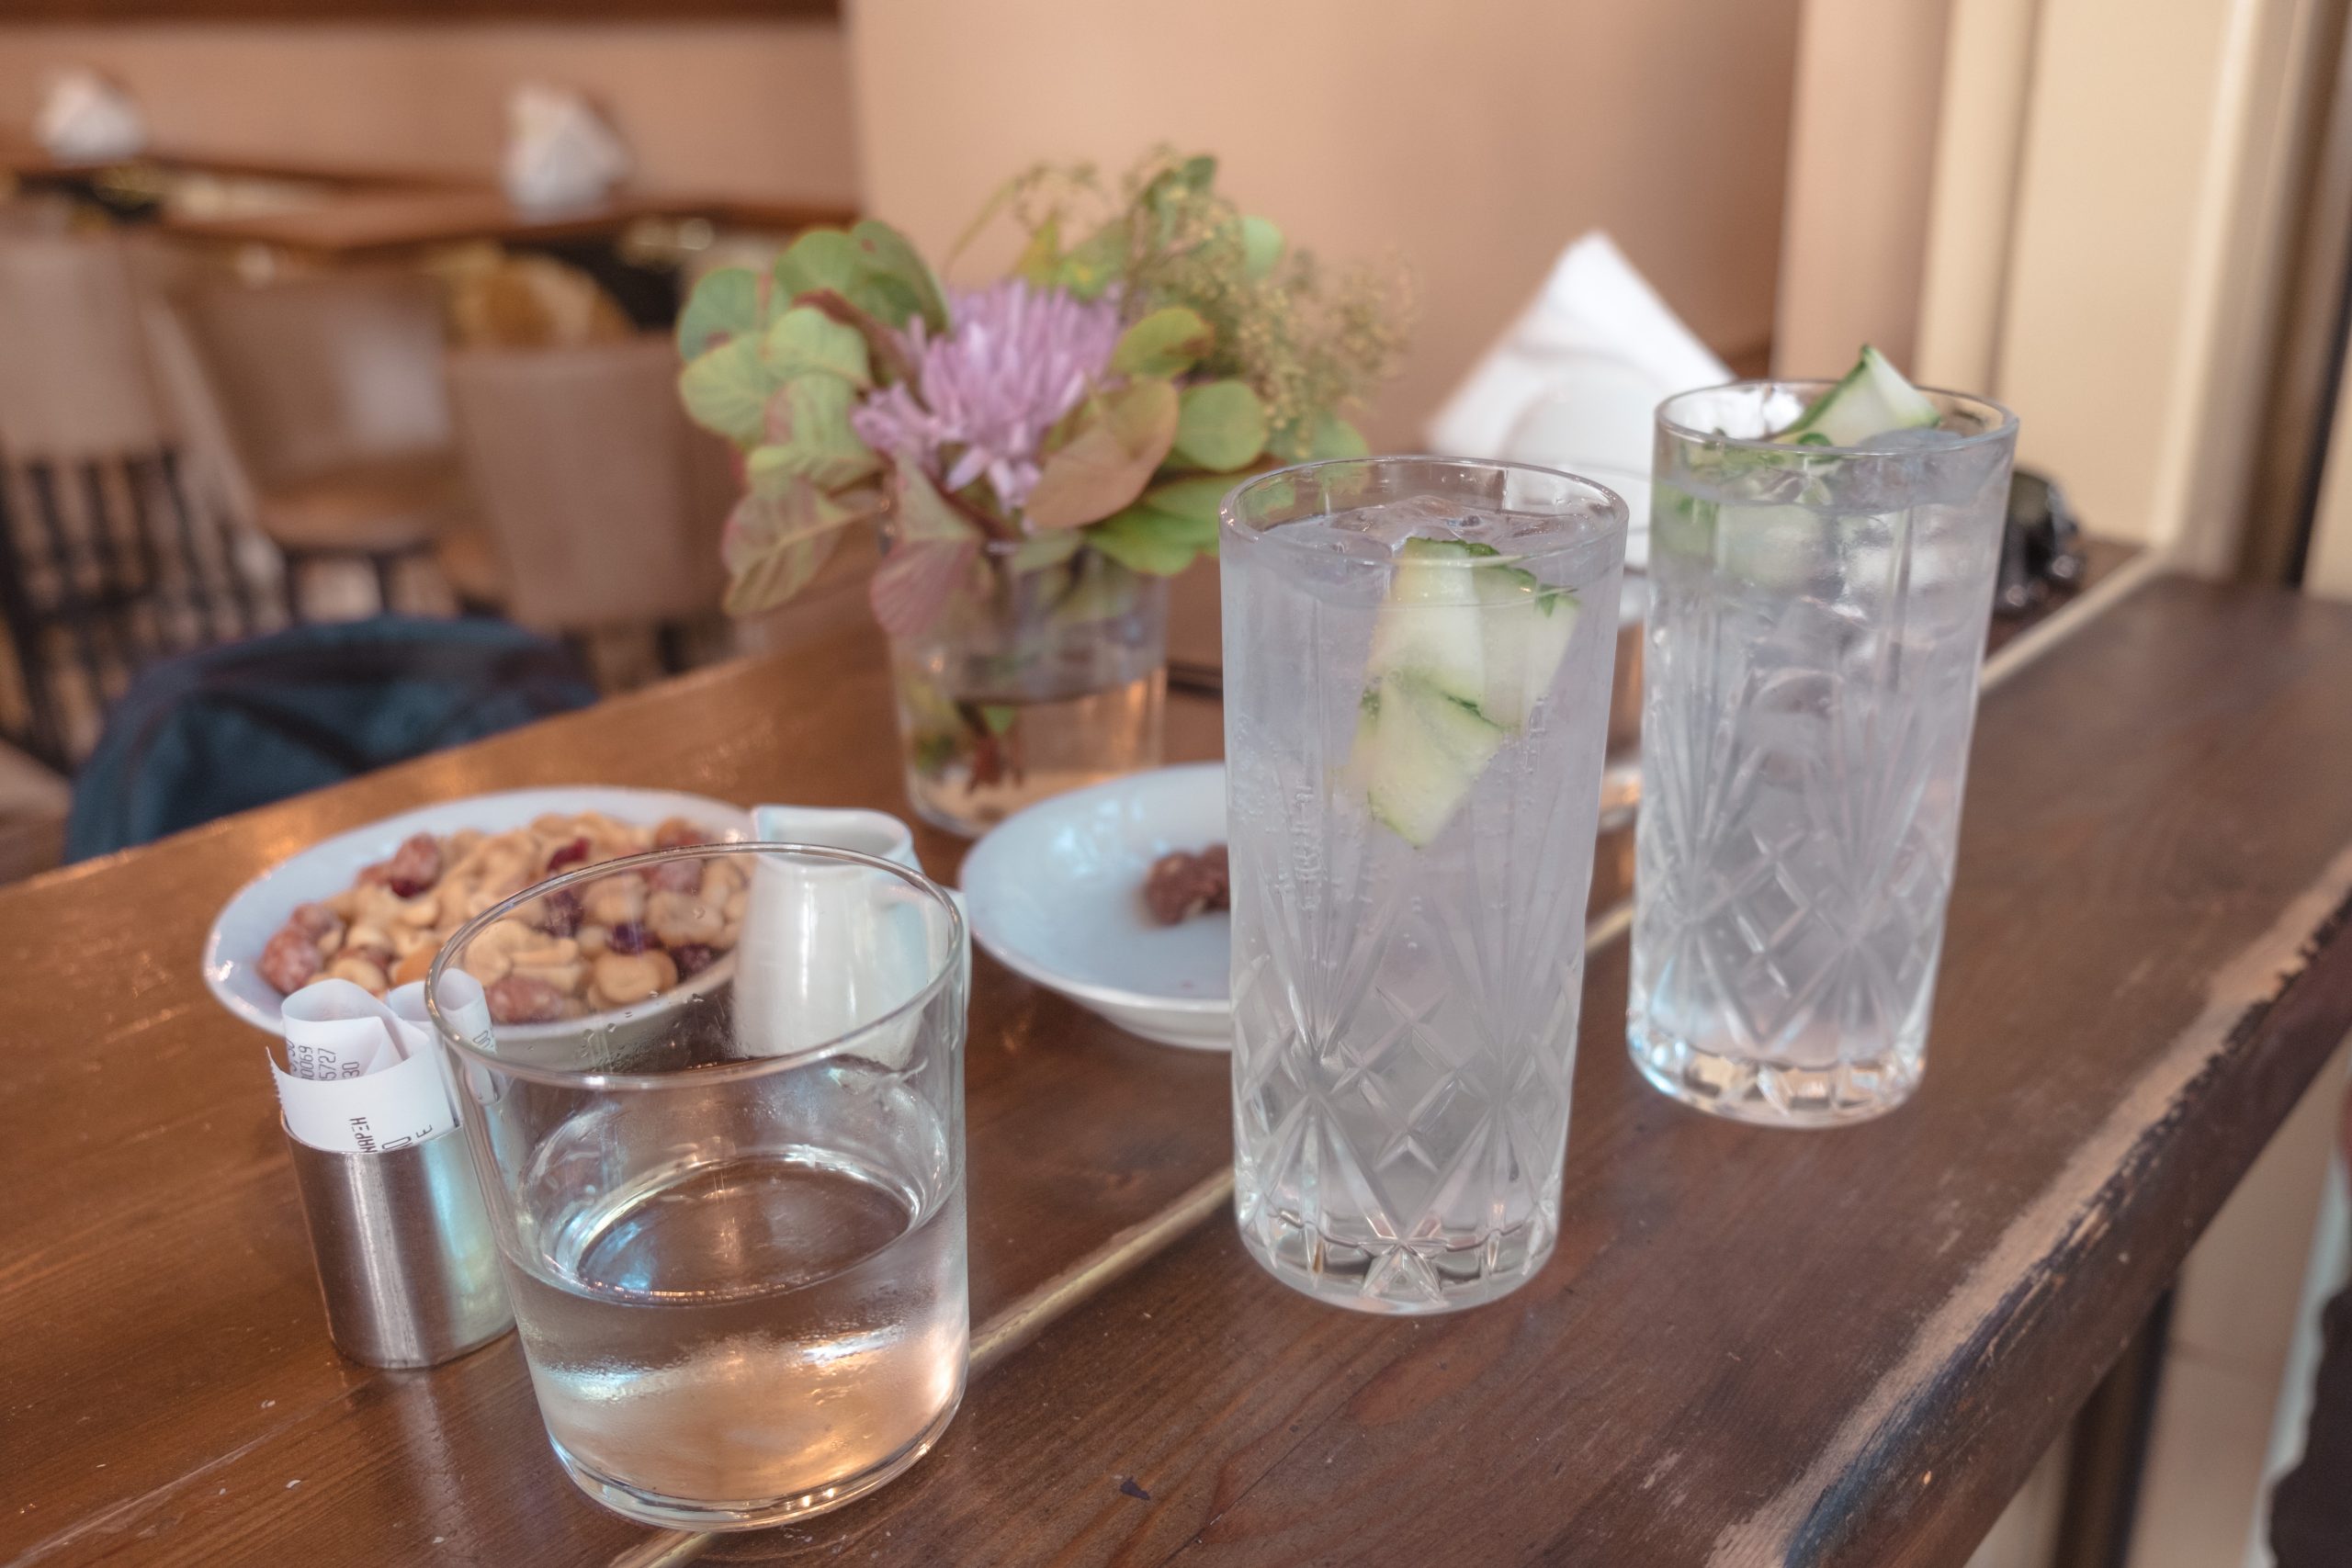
point(1417, 673)
point(720, 1124)
point(1822, 564)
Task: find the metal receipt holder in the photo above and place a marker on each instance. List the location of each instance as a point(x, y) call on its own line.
point(406, 1259)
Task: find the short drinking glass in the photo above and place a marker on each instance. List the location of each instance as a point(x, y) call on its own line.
point(721, 1128)
point(1416, 661)
point(1817, 619)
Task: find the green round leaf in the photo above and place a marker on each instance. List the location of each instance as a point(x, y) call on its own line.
point(1220, 425)
point(1142, 540)
point(1262, 247)
point(821, 258)
point(890, 261)
point(1332, 436)
point(805, 339)
point(1168, 342)
point(808, 434)
point(726, 304)
point(1196, 500)
point(725, 390)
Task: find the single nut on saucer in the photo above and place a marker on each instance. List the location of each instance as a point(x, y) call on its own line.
point(1179, 885)
point(624, 977)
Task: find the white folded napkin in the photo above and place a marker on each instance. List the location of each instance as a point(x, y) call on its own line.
point(84, 119)
point(363, 1076)
point(1574, 382)
point(560, 150)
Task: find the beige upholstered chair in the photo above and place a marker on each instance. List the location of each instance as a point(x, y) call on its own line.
point(329, 391)
point(604, 501)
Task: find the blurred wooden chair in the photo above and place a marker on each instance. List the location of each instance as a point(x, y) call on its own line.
point(104, 564)
point(335, 420)
point(604, 501)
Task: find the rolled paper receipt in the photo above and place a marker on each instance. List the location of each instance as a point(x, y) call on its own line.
point(362, 1076)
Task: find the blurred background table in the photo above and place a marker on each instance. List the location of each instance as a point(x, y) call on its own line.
point(1841, 1348)
point(343, 226)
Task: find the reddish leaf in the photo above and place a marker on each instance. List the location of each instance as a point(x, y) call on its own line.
point(1109, 459)
point(931, 555)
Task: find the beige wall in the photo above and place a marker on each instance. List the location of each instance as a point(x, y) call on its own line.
point(1988, 73)
point(1861, 160)
point(2154, 207)
point(751, 109)
point(1476, 138)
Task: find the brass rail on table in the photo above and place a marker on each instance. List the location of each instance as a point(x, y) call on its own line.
point(1138, 1243)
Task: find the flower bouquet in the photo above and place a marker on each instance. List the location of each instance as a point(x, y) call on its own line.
point(1039, 455)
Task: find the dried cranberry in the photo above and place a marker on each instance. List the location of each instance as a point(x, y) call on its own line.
point(414, 866)
point(693, 957)
point(572, 854)
point(560, 912)
point(629, 936)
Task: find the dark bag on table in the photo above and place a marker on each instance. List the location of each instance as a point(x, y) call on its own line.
point(243, 725)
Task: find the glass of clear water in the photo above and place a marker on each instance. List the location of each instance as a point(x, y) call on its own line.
point(1417, 682)
point(1817, 621)
point(719, 1123)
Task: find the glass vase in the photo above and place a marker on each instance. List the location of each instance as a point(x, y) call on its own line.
point(1030, 682)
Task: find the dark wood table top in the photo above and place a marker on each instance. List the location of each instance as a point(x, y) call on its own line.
point(1753, 1347)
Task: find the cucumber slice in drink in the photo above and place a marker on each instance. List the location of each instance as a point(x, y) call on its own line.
point(1422, 749)
point(1527, 624)
point(1431, 625)
point(1871, 400)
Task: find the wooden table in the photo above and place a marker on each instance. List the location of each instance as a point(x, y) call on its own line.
point(1752, 1347)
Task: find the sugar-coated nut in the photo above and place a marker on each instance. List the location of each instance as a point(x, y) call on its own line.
point(415, 865)
point(291, 960)
point(566, 976)
point(617, 900)
point(484, 965)
point(389, 923)
point(361, 972)
point(679, 918)
point(521, 999)
point(624, 977)
point(508, 936)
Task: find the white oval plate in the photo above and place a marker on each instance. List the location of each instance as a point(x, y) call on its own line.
point(252, 915)
point(1055, 895)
